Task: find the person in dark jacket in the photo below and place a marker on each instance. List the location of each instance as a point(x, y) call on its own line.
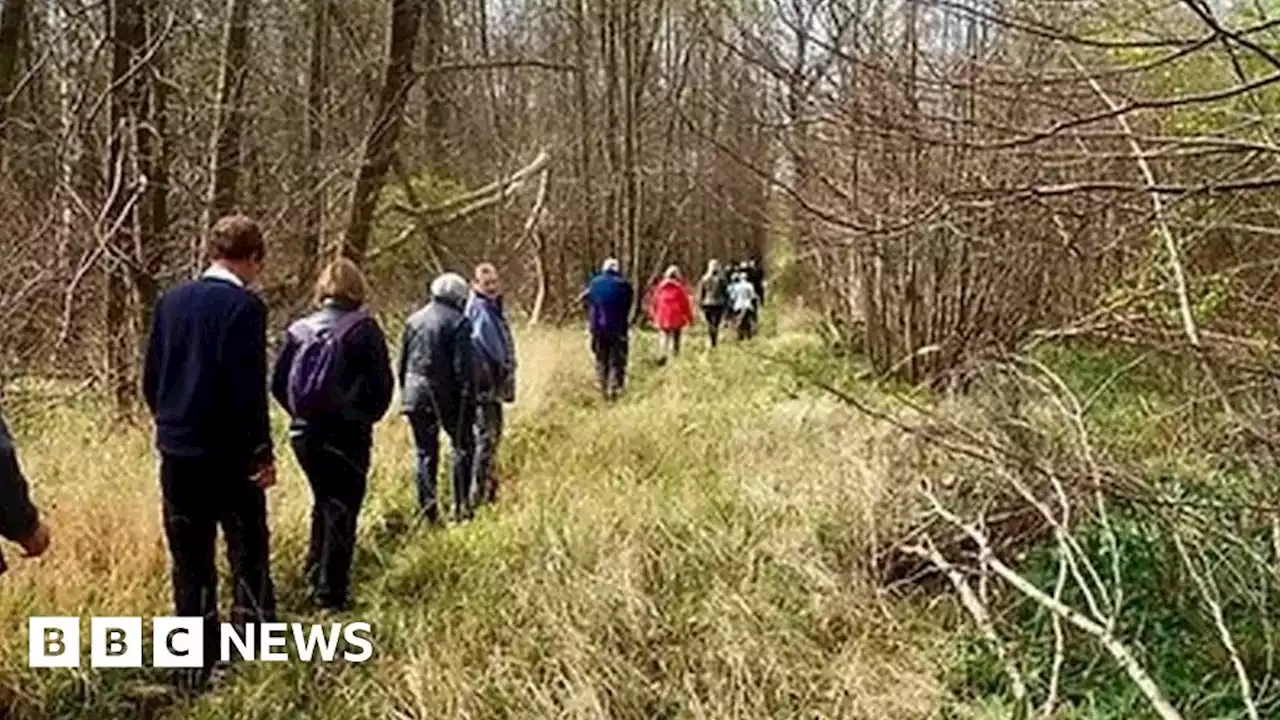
point(713, 296)
point(609, 297)
point(437, 386)
point(495, 366)
point(755, 276)
point(333, 448)
point(205, 382)
point(19, 519)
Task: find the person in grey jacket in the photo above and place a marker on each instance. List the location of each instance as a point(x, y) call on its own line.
point(495, 365)
point(437, 386)
point(19, 519)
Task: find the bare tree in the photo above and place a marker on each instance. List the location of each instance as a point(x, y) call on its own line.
point(384, 130)
point(13, 15)
point(229, 126)
point(317, 85)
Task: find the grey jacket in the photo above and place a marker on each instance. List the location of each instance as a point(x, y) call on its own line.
point(436, 362)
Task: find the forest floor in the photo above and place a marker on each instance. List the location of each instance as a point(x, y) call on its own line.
point(697, 550)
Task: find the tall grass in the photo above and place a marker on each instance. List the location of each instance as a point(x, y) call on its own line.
point(694, 551)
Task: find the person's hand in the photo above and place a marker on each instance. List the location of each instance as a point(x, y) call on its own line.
point(37, 542)
point(266, 476)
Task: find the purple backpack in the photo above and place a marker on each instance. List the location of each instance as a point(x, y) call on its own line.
point(314, 377)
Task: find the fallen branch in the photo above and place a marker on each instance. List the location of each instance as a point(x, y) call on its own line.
point(1224, 633)
point(462, 206)
point(978, 611)
point(1117, 649)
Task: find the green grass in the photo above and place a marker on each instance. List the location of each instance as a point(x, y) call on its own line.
point(695, 551)
point(1137, 416)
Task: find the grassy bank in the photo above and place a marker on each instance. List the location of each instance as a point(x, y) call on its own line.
point(695, 551)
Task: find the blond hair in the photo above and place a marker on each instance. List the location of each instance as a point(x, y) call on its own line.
point(342, 280)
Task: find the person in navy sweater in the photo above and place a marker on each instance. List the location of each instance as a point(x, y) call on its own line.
point(205, 382)
point(19, 519)
point(333, 445)
point(610, 297)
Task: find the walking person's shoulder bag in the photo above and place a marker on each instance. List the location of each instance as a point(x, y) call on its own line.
point(316, 373)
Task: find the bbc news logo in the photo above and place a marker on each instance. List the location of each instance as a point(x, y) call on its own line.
point(178, 642)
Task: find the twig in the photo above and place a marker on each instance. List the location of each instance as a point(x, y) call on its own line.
point(978, 611)
point(1224, 633)
point(1117, 649)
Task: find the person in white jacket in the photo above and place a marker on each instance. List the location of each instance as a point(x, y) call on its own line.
point(743, 304)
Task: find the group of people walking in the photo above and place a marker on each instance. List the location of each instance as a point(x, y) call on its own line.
point(733, 295)
point(205, 381)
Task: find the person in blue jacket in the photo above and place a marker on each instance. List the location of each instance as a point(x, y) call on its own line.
point(609, 298)
point(495, 373)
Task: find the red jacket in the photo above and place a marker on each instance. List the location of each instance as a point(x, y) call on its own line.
point(670, 307)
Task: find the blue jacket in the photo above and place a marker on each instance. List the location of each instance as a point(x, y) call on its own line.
point(495, 348)
point(609, 296)
point(205, 376)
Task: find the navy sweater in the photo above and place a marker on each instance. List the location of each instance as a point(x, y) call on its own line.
point(18, 517)
point(205, 378)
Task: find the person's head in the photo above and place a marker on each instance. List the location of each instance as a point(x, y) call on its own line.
point(342, 280)
point(713, 266)
point(451, 288)
point(671, 273)
point(236, 244)
point(611, 265)
point(487, 282)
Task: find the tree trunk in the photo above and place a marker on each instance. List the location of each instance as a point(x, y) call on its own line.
point(225, 170)
point(609, 49)
point(12, 17)
point(126, 28)
point(317, 83)
point(489, 83)
point(434, 91)
point(630, 219)
point(380, 142)
point(586, 186)
point(153, 165)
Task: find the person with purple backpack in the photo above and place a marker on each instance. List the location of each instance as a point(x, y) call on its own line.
point(333, 376)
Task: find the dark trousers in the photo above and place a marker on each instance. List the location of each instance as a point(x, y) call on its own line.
point(338, 478)
point(746, 322)
point(714, 315)
point(426, 437)
point(669, 344)
point(611, 363)
point(489, 424)
point(200, 495)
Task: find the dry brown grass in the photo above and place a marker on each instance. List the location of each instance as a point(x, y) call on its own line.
point(695, 551)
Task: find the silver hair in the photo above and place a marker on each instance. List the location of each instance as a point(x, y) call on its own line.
point(450, 286)
point(672, 273)
point(611, 265)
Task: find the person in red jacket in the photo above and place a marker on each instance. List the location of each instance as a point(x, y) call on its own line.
point(671, 311)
